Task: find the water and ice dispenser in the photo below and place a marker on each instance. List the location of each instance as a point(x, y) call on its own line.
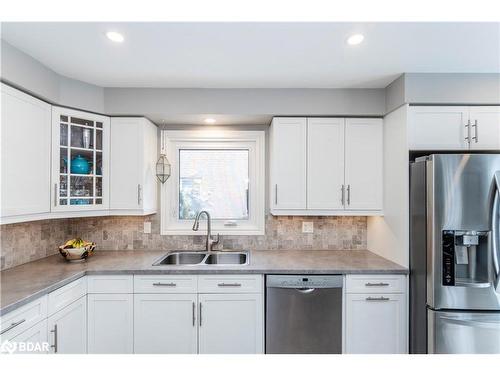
point(466, 258)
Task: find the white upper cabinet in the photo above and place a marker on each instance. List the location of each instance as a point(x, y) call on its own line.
point(485, 128)
point(25, 156)
point(438, 128)
point(325, 163)
point(454, 128)
point(344, 166)
point(288, 163)
point(364, 164)
point(134, 152)
point(80, 160)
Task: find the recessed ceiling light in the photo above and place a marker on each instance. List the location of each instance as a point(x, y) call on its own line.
point(209, 121)
point(115, 37)
point(355, 39)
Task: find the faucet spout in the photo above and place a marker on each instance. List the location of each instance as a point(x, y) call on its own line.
point(210, 241)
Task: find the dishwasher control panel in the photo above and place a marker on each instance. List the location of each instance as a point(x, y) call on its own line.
point(304, 281)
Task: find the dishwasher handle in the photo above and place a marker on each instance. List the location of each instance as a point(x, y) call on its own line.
point(305, 290)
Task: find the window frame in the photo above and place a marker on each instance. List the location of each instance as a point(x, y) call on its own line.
point(174, 140)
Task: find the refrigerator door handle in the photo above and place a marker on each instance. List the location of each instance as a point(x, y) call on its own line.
point(495, 230)
point(484, 323)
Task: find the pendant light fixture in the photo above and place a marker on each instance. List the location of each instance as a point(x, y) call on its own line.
point(163, 168)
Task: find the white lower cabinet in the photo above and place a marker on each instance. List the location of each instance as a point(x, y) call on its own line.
point(231, 324)
point(165, 323)
point(31, 341)
point(110, 323)
point(375, 322)
point(221, 314)
point(67, 329)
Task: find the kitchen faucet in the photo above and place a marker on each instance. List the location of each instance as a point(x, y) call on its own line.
point(210, 240)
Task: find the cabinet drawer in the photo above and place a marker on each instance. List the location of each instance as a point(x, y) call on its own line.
point(67, 294)
point(230, 284)
point(165, 284)
point(26, 316)
point(375, 283)
point(110, 284)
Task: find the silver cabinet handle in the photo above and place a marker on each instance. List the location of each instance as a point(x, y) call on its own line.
point(164, 284)
point(229, 284)
point(377, 299)
point(475, 138)
point(199, 318)
point(349, 195)
point(276, 194)
point(376, 284)
point(12, 325)
point(55, 338)
point(194, 318)
point(139, 195)
point(343, 195)
point(55, 195)
point(467, 127)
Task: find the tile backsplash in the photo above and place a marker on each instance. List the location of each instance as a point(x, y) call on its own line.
point(24, 242)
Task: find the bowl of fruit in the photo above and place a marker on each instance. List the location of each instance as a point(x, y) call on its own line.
point(77, 250)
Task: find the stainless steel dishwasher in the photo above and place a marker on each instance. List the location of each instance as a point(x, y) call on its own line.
point(303, 314)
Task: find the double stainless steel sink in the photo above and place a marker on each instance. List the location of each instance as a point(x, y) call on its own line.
point(202, 258)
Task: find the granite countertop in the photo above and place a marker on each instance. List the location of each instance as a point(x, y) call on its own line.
point(24, 283)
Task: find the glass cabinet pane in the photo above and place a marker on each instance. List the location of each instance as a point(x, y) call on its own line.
point(80, 201)
point(63, 135)
point(81, 186)
point(98, 163)
point(63, 186)
point(81, 162)
point(98, 187)
point(82, 137)
point(98, 139)
point(81, 121)
point(63, 160)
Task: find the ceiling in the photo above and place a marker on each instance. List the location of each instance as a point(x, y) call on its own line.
point(256, 55)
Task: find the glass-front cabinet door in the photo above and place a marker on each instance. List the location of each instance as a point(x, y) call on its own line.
point(80, 165)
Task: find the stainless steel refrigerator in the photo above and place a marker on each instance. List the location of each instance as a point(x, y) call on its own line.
point(455, 254)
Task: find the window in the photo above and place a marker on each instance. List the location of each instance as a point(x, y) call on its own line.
point(221, 172)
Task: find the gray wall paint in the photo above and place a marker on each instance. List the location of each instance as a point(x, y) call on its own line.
point(395, 94)
point(76, 94)
point(28, 74)
point(245, 105)
point(452, 88)
point(289, 102)
point(443, 88)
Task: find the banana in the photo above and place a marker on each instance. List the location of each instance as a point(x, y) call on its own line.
point(76, 243)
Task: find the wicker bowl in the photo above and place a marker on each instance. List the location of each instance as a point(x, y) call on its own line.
point(77, 254)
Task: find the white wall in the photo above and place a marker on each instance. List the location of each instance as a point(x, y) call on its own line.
point(388, 235)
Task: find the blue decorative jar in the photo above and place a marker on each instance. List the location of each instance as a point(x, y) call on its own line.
point(80, 165)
